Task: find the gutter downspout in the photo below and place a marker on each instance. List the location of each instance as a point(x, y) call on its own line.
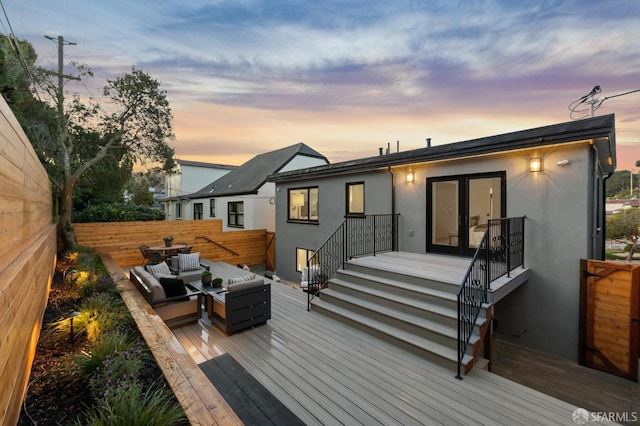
point(599, 209)
point(394, 246)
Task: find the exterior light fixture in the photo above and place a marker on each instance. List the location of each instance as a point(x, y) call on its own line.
point(410, 176)
point(535, 164)
point(72, 315)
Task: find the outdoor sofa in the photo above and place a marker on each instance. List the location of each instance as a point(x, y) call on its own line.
point(168, 293)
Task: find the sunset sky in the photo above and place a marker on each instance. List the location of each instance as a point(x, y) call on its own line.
point(346, 77)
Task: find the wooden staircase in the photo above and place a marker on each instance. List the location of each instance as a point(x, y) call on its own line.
point(414, 312)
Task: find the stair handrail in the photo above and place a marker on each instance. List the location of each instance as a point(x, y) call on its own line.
point(500, 251)
point(219, 245)
point(355, 236)
point(324, 262)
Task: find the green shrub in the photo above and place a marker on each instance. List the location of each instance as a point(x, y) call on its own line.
point(118, 212)
point(88, 362)
point(129, 405)
point(120, 368)
point(611, 255)
point(98, 314)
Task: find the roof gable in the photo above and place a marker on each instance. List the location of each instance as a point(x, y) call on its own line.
point(250, 176)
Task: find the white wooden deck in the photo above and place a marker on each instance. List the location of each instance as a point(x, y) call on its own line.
point(438, 267)
point(328, 373)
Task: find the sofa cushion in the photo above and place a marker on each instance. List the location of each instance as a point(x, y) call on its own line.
point(189, 262)
point(190, 276)
point(245, 284)
point(174, 287)
point(152, 284)
point(242, 279)
point(159, 269)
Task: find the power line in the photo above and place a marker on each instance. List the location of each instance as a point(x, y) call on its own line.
point(13, 41)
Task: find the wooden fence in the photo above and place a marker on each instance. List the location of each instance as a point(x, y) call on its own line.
point(27, 260)
point(610, 317)
point(122, 239)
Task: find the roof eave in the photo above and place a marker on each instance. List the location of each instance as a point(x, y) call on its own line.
point(597, 128)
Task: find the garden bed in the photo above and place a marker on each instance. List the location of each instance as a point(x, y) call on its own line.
point(79, 377)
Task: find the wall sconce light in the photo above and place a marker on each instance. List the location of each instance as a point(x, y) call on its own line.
point(410, 176)
point(535, 164)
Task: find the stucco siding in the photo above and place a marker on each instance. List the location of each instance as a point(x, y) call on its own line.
point(556, 202)
point(332, 209)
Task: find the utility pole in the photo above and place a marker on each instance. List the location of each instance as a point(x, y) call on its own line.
point(61, 76)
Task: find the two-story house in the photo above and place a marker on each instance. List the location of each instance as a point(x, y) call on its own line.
point(243, 198)
point(188, 179)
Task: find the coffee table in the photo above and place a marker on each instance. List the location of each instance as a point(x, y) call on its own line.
point(214, 299)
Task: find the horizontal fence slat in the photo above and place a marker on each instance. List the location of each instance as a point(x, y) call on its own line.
point(122, 239)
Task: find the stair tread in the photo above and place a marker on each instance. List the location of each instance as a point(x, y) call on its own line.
point(404, 285)
point(433, 326)
point(389, 295)
point(418, 304)
point(413, 339)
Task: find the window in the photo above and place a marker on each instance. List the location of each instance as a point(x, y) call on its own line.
point(212, 207)
point(355, 198)
point(303, 204)
point(197, 211)
point(178, 210)
point(302, 256)
point(236, 214)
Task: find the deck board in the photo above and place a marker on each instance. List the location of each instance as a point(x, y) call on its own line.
point(326, 372)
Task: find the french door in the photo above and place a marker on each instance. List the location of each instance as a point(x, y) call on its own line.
point(459, 208)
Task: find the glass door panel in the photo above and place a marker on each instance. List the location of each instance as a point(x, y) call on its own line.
point(445, 210)
point(484, 203)
point(460, 208)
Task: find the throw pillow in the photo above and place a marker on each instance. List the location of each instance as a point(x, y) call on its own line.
point(174, 287)
point(189, 262)
point(159, 269)
point(242, 279)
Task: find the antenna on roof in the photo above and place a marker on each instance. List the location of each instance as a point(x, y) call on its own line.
point(589, 99)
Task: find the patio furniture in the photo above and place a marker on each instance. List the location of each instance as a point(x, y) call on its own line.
point(187, 248)
point(239, 306)
point(176, 304)
point(169, 251)
point(150, 256)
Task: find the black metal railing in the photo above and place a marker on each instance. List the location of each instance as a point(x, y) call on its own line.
point(219, 245)
point(356, 236)
point(500, 251)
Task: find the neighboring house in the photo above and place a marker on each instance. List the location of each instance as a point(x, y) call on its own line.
point(444, 194)
point(243, 198)
point(619, 205)
point(189, 178)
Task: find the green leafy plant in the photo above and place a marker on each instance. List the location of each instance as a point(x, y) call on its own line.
point(119, 368)
point(129, 405)
point(118, 212)
point(97, 314)
point(110, 343)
